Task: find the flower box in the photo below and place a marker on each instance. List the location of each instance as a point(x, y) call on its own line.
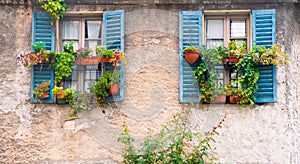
point(92, 60)
point(221, 99)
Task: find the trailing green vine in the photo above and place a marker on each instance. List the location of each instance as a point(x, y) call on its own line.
point(247, 80)
point(64, 62)
point(206, 75)
point(54, 7)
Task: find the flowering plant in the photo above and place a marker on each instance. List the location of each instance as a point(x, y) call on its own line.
point(267, 56)
point(83, 52)
point(115, 56)
point(40, 55)
point(41, 90)
point(30, 59)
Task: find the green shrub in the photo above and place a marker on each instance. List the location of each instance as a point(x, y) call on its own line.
point(174, 144)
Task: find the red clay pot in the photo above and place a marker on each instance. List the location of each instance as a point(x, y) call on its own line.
point(60, 95)
point(233, 99)
point(191, 56)
point(114, 89)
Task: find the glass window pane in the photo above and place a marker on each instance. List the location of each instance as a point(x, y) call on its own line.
point(70, 29)
point(92, 29)
point(213, 43)
point(71, 81)
point(92, 44)
point(91, 76)
point(238, 28)
point(75, 44)
point(215, 28)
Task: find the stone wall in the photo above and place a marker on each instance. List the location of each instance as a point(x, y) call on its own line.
point(31, 133)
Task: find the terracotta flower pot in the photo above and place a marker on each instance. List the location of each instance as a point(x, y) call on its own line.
point(233, 99)
point(221, 99)
point(114, 89)
point(60, 95)
point(230, 59)
point(191, 56)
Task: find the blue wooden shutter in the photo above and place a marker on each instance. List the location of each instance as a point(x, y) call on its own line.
point(190, 34)
point(264, 34)
point(113, 38)
point(42, 30)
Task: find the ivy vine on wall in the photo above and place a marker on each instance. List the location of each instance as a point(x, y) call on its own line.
point(54, 7)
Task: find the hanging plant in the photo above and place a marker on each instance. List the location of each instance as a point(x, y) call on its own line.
point(247, 80)
point(267, 56)
point(54, 7)
point(64, 62)
point(207, 76)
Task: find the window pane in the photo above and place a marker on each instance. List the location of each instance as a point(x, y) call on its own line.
point(75, 44)
point(213, 43)
point(215, 28)
point(91, 44)
point(238, 28)
point(91, 76)
point(71, 81)
point(70, 29)
point(92, 30)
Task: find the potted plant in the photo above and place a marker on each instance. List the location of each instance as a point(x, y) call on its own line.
point(191, 54)
point(38, 56)
point(69, 95)
point(112, 56)
point(101, 89)
point(233, 94)
point(104, 54)
point(107, 85)
point(38, 46)
point(64, 62)
point(266, 56)
point(219, 95)
point(114, 82)
point(58, 91)
point(84, 57)
point(41, 91)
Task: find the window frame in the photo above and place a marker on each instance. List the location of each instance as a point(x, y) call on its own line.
point(81, 70)
point(227, 17)
point(226, 20)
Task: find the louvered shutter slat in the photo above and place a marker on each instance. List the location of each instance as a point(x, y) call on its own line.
point(264, 34)
point(190, 25)
point(113, 38)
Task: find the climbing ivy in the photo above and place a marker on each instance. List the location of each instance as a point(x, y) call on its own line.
point(54, 7)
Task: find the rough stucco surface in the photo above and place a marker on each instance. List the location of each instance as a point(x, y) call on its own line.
point(37, 133)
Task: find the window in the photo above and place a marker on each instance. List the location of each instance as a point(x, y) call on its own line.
point(219, 28)
point(84, 32)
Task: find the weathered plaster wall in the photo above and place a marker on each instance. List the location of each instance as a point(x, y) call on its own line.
point(38, 133)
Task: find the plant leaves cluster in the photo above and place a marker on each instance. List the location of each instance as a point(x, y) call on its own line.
point(174, 144)
point(54, 7)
